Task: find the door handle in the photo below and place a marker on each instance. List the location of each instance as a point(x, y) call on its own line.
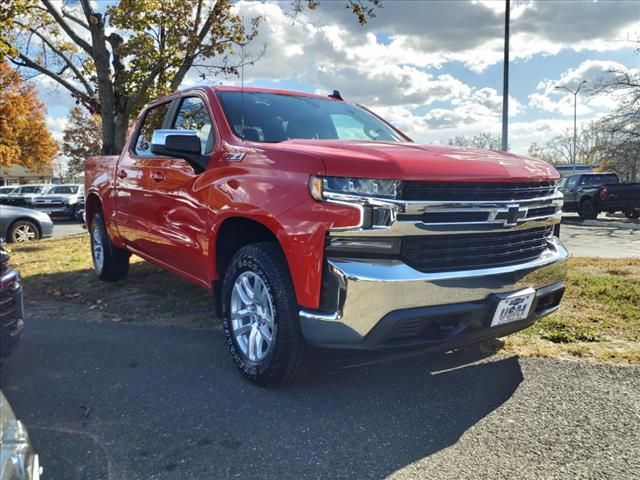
point(122, 174)
point(157, 177)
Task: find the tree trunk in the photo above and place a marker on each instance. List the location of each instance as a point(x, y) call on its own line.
point(121, 127)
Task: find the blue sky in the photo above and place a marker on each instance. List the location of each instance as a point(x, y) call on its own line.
point(435, 68)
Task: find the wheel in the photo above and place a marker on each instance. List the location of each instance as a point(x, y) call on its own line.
point(260, 315)
point(587, 211)
point(76, 214)
point(110, 262)
point(635, 213)
point(23, 231)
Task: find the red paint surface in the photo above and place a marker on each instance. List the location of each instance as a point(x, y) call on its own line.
point(163, 211)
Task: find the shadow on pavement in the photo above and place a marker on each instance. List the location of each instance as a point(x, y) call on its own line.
point(138, 402)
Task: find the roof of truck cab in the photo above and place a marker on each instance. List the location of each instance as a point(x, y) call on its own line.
point(225, 88)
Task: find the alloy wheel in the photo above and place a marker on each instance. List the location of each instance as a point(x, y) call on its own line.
point(252, 316)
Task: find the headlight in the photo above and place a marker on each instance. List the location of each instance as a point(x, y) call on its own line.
point(321, 186)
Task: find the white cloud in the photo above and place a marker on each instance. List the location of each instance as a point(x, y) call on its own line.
point(558, 100)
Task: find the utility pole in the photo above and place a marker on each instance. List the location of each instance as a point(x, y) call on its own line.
point(575, 127)
point(505, 81)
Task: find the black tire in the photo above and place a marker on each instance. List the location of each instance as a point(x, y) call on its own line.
point(286, 358)
point(631, 214)
point(115, 261)
point(23, 231)
point(587, 210)
point(75, 214)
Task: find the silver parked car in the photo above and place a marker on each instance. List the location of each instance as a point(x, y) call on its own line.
point(20, 225)
point(23, 195)
point(7, 190)
point(62, 200)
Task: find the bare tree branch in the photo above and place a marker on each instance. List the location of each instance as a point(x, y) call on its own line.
point(69, 64)
point(81, 96)
point(66, 27)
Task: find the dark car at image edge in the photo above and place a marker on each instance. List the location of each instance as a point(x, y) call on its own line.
point(589, 194)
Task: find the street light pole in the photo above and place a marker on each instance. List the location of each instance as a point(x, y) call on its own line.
point(575, 127)
point(505, 81)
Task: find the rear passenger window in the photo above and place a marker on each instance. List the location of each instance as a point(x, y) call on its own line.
point(193, 115)
point(153, 120)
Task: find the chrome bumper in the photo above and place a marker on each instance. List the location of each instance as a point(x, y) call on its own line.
point(369, 290)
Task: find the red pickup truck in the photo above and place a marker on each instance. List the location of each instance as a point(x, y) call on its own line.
point(314, 223)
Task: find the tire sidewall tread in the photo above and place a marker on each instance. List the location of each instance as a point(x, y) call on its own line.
point(287, 358)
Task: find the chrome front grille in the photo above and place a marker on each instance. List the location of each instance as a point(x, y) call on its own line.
point(472, 191)
point(459, 226)
point(476, 250)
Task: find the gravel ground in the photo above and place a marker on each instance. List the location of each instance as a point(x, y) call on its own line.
point(120, 401)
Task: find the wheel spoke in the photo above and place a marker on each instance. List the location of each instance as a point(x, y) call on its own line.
point(242, 294)
point(252, 344)
point(248, 288)
point(242, 329)
point(240, 314)
point(258, 343)
point(265, 333)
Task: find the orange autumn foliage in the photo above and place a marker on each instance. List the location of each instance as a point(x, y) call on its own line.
point(24, 138)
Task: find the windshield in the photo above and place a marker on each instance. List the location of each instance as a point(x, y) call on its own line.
point(64, 189)
point(32, 189)
point(273, 117)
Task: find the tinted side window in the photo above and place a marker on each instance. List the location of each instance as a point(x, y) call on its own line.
point(193, 115)
point(153, 120)
point(572, 182)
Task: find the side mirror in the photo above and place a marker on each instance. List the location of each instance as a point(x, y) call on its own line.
point(180, 144)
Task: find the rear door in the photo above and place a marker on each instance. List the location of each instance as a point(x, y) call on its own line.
point(132, 199)
point(178, 220)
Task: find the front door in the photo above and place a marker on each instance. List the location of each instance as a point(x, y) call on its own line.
point(132, 199)
point(178, 220)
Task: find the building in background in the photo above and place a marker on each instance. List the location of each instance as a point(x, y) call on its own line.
point(18, 175)
point(565, 169)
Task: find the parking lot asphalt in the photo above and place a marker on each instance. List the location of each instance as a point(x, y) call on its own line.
point(603, 242)
point(120, 401)
point(64, 228)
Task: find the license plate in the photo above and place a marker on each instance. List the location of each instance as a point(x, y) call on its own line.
point(513, 307)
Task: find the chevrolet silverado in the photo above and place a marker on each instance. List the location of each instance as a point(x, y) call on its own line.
point(316, 224)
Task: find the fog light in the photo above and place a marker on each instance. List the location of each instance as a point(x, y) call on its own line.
point(382, 247)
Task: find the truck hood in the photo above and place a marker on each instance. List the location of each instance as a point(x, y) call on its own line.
point(410, 161)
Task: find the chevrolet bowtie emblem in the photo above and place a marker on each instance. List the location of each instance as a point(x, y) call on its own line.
point(513, 213)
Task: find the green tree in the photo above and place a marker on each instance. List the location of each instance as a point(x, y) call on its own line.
point(81, 138)
point(114, 58)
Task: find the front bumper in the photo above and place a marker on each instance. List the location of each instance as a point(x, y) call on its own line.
point(11, 312)
point(46, 226)
point(386, 304)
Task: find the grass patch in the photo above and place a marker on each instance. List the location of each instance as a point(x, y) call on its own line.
point(599, 317)
point(61, 270)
